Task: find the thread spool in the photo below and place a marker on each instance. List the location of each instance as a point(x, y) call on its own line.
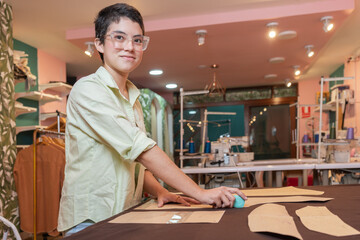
point(350, 133)
point(207, 147)
point(332, 131)
point(191, 146)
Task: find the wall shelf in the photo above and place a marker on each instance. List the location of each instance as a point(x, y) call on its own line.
point(28, 128)
point(21, 109)
point(44, 116)
point(38, 96)
point(63, 88)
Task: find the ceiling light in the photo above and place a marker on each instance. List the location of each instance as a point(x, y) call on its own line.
point(309, 50)
point(171, 85)
point(192, 112)
point(297, 71)
point(90, 50)
point(201, 36)
point(328, 25)
point(156, 72)
point(276, 60)
point(265, 109)
point(271, 75)
point(272, 29)
point(286, 35)
point(288, 82)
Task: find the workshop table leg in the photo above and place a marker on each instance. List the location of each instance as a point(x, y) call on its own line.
point(268, 179)
point(325, 177)
point(278, 178)
point(305, 177)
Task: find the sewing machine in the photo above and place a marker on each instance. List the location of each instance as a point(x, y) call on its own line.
point(221, 151)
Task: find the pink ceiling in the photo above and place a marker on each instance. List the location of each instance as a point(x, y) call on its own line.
point(236, 41)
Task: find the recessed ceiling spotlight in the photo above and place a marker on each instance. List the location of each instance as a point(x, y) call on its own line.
point(90, 50)
point(203, 66)
point(287, 35)
point(309, 50)
point(272, 29)
point(171, 85)
point(201, 36)
point(192, 112)
point(328, 25)
point(156, 72)
point(269, 76)
point(297, 71)
point(276, 60)
point(287, 82)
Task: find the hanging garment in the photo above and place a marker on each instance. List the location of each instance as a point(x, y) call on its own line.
point(50, 175)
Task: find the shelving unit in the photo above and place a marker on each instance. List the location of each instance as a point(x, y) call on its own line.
point(296, 134)
point(331, 106)
point(44, 116)
point(335, 102)
point(63, 88)
point(21, 109)
point(182, 121)
point(38, 96)
point(28, 128)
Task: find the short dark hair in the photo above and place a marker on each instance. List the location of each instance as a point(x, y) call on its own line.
point(113, 13)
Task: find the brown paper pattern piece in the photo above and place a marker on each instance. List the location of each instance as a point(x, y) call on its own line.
point(251, 201)
point(260, 200)
point(273, 218)
point(283, 191)
point(169, 217)
point(320, 219)
point(152, 205)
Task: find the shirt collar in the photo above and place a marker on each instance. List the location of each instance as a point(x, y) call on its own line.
point(108, 80)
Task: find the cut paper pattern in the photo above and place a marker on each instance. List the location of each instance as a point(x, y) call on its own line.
point(273, 218)
point(152, 205)
point(320, 219)
point(251, 201)
point(283, 191)
point(261, 200)
point(169, 217)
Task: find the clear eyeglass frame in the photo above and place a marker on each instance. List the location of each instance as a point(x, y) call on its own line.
point(140, 42)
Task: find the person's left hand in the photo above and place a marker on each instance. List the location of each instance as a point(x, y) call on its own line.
point(167, 197)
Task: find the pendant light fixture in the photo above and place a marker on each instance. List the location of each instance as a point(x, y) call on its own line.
point(215, 87)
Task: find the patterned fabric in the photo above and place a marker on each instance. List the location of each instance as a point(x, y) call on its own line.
point(8, 197)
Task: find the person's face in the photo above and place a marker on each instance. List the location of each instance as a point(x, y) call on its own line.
point(121, 56)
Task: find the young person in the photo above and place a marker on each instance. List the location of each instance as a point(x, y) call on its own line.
point(107, 149)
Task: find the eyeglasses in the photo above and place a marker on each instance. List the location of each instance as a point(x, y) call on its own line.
point(139, 42)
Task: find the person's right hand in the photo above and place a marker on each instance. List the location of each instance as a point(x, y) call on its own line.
point(221, 197)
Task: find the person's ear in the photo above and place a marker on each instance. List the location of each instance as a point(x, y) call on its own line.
point(99, 46)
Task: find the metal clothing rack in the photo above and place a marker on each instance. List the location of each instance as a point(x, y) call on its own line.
point(40, 131)
point(182, 121)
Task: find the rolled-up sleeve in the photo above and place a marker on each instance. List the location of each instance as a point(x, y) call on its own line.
point(108, 120)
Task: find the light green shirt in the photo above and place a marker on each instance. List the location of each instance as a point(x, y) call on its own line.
point(105, 133)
